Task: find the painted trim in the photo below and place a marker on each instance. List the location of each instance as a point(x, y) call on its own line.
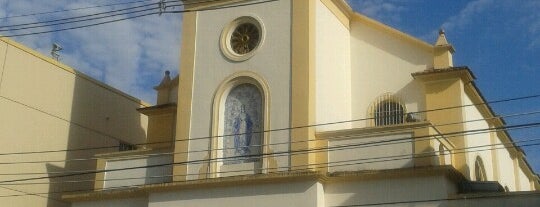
point(369, 131)
point(261, 179)
point(303, 82)
point(99, 182)
point(202, 4)
point(70, 70)
point(341, 10)
point(185, 94)
point(220, 97)
point(3, 62)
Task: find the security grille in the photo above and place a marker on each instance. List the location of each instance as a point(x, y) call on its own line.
point(387, 110)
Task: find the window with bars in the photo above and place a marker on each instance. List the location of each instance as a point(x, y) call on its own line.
point(388, 113)
point(123, 146)
point(387, 110)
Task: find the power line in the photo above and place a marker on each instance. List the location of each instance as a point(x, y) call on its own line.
point(297, 152)
point(364, 161)
point(308, 167)
point(72, 19)
point(283, 143)
point(211, 137)
point(74, 9)
point(137, 16)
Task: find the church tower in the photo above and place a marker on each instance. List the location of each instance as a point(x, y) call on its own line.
point(246, 67)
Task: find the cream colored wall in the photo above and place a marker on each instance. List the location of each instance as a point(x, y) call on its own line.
point(48, 106)
point(271, 62)
point(524, 182)
point(129, 202)
point(138, 176)
point(272, 194)
point(333, 70)
point(389, 189)
point(474, 140)
point(506, 168)
point(382, 63)
point(358, 156)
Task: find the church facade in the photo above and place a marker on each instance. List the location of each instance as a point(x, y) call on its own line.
point(308, 103)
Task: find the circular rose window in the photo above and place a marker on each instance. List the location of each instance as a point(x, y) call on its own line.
point(241, 38)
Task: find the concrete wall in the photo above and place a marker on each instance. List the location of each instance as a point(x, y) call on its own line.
point(333, 70)
point(271, 62)
point(130, 202)
point(352, 153)
point(45, 105)
point(278, 194)
point(138, 176)
point(389, 189)
point(477, 141)
point(381, 63)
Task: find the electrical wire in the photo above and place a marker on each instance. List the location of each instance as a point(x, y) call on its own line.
point(297, 152)
point(78, 18)
point(134, 17)
point(479, 148)
point(74, 9)
point(284, 143)
point(308, 167)
point(68, 19)
point(218, 136)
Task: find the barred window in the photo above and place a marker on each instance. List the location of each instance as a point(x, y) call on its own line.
point(123, 146)
point(388, 113)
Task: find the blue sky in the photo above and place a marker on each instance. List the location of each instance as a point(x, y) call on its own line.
point(498, 39)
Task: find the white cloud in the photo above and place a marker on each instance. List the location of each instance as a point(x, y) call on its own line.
point(383, 10)
point(130, 55)
point(533, 21)
point(465, 16)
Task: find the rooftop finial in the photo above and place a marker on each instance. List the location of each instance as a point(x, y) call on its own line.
point(443, 52)
point(441, 31)
point(441, 40)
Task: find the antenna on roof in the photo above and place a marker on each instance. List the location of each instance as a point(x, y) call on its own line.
point(162, 6)
point(54, 51)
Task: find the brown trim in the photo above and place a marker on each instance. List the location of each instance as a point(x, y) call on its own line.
point(158, 109)
point(261, 179)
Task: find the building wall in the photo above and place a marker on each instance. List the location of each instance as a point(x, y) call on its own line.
point(129, 202)
point(351, 153)
point(381, 63)
point(160, 173)
point(477, 142)
point(387, 190)
point(333, 70)
point(48, 106)
point(271, 62)
point(276, 194)
point(506, 168)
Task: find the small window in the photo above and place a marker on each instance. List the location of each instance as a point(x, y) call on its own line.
point(479, 170)
point(123, 146)
point(387, 109)
point(388, 113)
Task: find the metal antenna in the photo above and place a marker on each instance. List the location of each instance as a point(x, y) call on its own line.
point(54, 51)
point(162, 6)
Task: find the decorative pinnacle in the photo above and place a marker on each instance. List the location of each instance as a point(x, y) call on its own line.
point(441, 31)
